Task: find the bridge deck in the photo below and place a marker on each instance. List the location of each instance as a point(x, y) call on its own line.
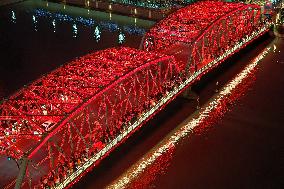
point(186, 24)
point(70, 119)
point(37, 109)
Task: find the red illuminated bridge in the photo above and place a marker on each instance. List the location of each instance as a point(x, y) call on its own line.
point(60, 126)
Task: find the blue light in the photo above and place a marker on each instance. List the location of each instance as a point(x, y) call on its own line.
point(121, 38)
point(13, 17)
point(54, 25)
point(105, 25)
point(35, 23)
point(75, 30)
point(97, 34)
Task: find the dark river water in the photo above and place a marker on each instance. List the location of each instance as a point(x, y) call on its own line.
point(36, 38)
point(243, 149)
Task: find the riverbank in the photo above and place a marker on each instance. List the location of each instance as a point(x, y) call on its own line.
point(122, 9)
point(8, 2)
point(279, 30)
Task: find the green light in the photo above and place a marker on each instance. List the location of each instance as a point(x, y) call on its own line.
point(153, 4)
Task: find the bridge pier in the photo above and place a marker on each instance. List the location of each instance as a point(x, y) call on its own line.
point(278, 23)
point(23, 167)
point(191, 95)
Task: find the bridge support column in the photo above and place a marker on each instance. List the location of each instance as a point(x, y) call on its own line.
point(22, 172)
point(189, 94)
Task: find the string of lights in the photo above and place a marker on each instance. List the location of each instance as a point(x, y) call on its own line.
point(35, 109)
point(153, 4)
point(186, 24)
point(97, 101)
point(105, 25)
point(75, 176)
point(214, 110)
point(89, 163)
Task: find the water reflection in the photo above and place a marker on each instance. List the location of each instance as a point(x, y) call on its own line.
point(54, 25)
point(97, 34)
point(88, 22)
point(55, 17)
point(121, 38)
point(151, 173)
point(75, 30)
point(13, 17)
point(212, 112)
point(35, 23)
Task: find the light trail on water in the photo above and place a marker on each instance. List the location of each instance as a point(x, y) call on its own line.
point(156, 160)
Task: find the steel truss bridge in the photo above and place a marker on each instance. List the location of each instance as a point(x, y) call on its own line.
point(59, 127)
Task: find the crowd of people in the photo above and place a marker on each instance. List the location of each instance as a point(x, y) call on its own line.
point(102, 136)
point(65, 166)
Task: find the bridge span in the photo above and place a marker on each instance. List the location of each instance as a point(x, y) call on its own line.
point(59, 127)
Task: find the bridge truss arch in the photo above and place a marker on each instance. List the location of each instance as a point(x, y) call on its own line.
point(60, 126)
point(203, 31)
point(82, 110)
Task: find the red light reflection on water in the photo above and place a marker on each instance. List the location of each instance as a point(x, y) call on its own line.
point(153, 171)
point(156, 161)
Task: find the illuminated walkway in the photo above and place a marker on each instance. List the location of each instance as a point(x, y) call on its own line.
point(152, 164)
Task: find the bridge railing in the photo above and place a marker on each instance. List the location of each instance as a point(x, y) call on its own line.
point(223, 35)
point(175, 86)
point(149, 106)
point(98, 122)
point(95, 127)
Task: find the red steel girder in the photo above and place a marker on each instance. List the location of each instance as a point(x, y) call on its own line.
point(38, 108)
